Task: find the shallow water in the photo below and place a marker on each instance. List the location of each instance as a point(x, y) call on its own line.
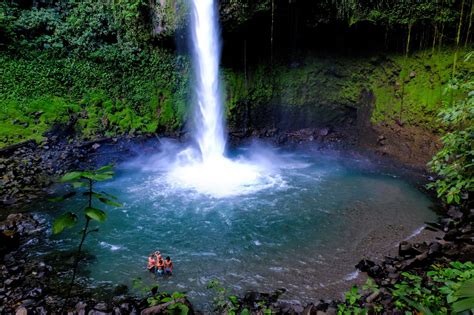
point(312, 219)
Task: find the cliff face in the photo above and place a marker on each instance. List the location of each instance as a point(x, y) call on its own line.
point(107, 68)
point(321, 90)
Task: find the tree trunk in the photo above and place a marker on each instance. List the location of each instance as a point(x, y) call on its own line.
point(458, 36)
point(271, 33)
point(468, 33)
point(407, 50)
point(435, 34)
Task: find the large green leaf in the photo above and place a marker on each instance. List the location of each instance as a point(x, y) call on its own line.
point(79, 184)
point(105, 168)
point(466, 289)
point(108, 195)
point(99, 177)
point(96, 214)
point(71, 176)
point(463, 305)
point(109, 202)
point(61, 198)
point(66, 220)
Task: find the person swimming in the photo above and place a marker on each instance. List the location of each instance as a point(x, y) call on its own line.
point(168, 266)
point(152, 263)
point(158, 255)
point(160, 266)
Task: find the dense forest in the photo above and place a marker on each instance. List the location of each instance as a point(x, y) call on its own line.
point(118, 67)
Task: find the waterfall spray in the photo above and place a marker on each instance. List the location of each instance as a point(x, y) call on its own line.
point(208, 170)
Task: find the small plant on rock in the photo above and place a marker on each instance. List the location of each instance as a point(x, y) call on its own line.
point(170, 303)
point(229, 304)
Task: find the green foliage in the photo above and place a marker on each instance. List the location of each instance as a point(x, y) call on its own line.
point(395, 13)
point(354, 299)
point(454, 163)
point(465, 295)
point(351, 303)
point(439, 294)
point(80, 180)
point(231, 304)
point(446, 288)
point(411, 89)
point(452, 278)
point(87, 62)
point(411, 291)
point(156, 298)
point(142, 96)
point(66, 220)
point(85, 179)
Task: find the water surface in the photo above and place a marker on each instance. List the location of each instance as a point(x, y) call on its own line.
point(313, 219)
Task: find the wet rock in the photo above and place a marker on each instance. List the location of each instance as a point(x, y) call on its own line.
point(364, 265)
point(290, 307)
point(310, 309)
point(451, 235)
point(121, 289)
point(323, 132)
point(381, 140)
point(407, 249)
point(81, 308)
point(21, 311)
point(375, 271)
point(95, 146)
point(455, 213)
point(435, 248)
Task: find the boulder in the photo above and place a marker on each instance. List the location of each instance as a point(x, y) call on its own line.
point(364, 265)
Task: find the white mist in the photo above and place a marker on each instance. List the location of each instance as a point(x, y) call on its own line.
point(208, 170)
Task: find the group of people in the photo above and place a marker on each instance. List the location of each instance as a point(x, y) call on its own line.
point(158, 266)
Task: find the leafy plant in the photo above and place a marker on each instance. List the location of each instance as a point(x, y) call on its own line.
point(411, 292)
point(84, 180)
point(174, 300)
point(465, 296)
point(452, 278)
point(230, 304)
point(454, 163)
point(448, 288)
point(352, 301)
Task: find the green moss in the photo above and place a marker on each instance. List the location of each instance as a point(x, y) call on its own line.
point(413, 88)
point(31, 118)
point(407, 88)
point(109, 98)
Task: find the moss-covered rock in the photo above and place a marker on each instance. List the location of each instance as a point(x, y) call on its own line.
point(326, 90)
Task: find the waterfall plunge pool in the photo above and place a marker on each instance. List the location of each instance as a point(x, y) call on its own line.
point(303, 226)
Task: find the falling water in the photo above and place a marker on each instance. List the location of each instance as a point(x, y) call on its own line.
point(207, 170)
point(206, 56)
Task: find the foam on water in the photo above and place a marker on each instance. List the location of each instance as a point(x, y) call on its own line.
point(207, 170)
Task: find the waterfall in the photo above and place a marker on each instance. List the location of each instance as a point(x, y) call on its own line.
point(209, 118)
point(207, 170)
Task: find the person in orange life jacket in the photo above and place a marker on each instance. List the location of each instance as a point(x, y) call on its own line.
point(168, 266)
point(160, 266)
point(151, 263)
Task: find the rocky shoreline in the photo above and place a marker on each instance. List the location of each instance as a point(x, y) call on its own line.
point(31, 287)
point(28, 287)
